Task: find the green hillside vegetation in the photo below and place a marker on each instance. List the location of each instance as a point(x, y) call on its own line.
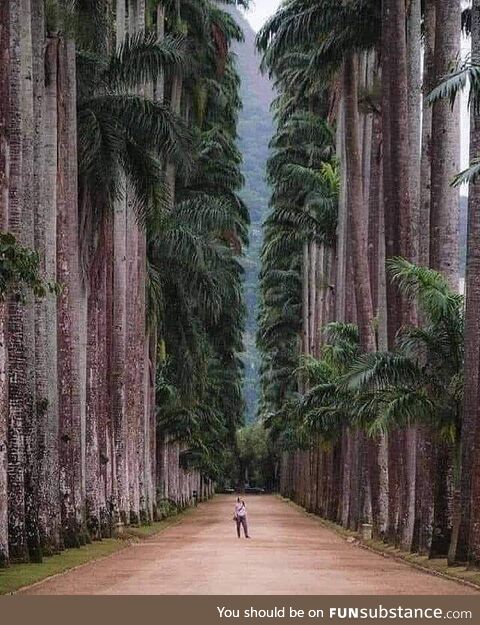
point(255, 130)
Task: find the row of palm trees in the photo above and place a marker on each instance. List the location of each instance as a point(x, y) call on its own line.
point(370, 355)
point(122, 311)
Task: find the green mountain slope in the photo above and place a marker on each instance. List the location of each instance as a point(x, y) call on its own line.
point(255, 130)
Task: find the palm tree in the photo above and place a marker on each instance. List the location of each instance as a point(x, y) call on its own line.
point(289, 31)
point(441, 347)
point(357, 215)
point(425, 478)
point(304, 210)
point(142, 132)
point(304, 46)
point(15, 329)
point(465, 539)
point(399, 230)
point(46, 230)
point(468, 541)
point(445, 149)
point(4, 194)
point(445, 196)
point(198, 92)
point(68, 274)
point(91, 123)
point(207, 212)
point(381, 392)
point(414, 76)
point(282, 33)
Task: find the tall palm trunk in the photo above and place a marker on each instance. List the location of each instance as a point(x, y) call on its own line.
point(132, 367)
point(321, 295)
point(374, 209)
point(119, 356)
point(444, 223)
point(378, 453)
point(414, 59)
point(425, 444)
point(16, 313)
point(400, 135)
point(467, 540)
point(98, 479)
point(118, 367)
point(376, 257)
point(444, 216)
point(390, 218)
point(4, 190)
point(131, 234)
point(426, 155)
point(110, 512)
point(68, 275)
point(397, 139)
point(142, 401)
point(366, 449)
point(92, 444)
point(4, 558)
point(344, 511)
point(342, 227)
point(176, 96)
point(28, 167)
point(141, 343)
point(312, 287)
point(357, 212)
point(150, 419)
point(45, 235)
point(358, 221)
point(173, 470)
point(161, 441)
point(102, 338)
point(135, 248)
point(305, 298)
point(45, 353)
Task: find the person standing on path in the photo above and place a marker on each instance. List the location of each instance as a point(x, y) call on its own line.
point(240, 516)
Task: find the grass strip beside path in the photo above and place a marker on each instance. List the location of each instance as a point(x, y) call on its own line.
point(18, 576)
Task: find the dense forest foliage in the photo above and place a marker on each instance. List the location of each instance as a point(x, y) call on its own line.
point(255, 128)
point(122, 312)
point(370, 354)
point(135, 164)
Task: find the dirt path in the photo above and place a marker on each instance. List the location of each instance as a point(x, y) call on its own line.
point(289, 554)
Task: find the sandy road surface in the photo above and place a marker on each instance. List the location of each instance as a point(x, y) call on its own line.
point(289, 553)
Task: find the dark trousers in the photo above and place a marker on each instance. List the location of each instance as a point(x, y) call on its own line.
point(242, 521)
